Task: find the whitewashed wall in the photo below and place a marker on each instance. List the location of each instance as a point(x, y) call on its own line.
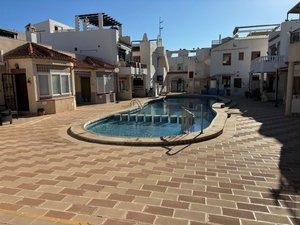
point(100, 43)
point(238, 68)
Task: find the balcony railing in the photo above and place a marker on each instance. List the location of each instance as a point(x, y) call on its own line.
point(266, 64)
point(132, 68)
point(133, 64)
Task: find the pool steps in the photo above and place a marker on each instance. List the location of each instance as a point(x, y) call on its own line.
point(148, 118)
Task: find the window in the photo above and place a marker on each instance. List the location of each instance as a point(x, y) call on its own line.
point(56, 88)
point(191, 74)
point(237, 82)
point(255, 55)
point(179, 66)
point(100, 84)
point(138, 82)
point(43, 85)
point(136, 59)
point(226, 81)
point(241, 56)
point(296, 89)
point(226, 59)
point(53, 84)
point(105, 83)
point(123, 85)
point(65, 85)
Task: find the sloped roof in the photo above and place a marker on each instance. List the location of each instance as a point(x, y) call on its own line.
point(93, 63)
point(33, 50)
point(295, 9)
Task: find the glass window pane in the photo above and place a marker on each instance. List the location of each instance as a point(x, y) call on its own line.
point(43, 85)
point(56, 84)
point(100, 84)
point(65, 84)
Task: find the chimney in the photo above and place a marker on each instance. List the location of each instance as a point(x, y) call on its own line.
point(120, 30)
point(100, 21)
point(77, 23)
point(31, 35)
point(1, 56)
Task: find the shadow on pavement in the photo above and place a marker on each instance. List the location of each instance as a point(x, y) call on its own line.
point(287, 131)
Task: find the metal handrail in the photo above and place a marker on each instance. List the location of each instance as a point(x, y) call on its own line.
point(138, 102)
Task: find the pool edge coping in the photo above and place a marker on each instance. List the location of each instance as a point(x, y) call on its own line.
point(214, 130)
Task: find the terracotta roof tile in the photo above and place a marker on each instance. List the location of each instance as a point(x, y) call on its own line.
point(93, 63)
point(33, 50)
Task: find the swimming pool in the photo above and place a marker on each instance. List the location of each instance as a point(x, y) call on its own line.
point(156, 119)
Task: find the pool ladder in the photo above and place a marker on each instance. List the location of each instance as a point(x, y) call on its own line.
point(136, 101)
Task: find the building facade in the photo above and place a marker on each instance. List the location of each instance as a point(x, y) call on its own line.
point(231, 61)
point(95, 35)
point(271, 71)
point(152, 54)
point(36, 79)
point(189, 70)
point(95, 81)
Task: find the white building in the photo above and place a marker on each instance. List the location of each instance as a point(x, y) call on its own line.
point(231, 59)
point(152, 54)
point(271, 70)
point(189, 70)
point(95, 35)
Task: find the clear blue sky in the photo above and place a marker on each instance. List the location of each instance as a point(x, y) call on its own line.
point(187, 23)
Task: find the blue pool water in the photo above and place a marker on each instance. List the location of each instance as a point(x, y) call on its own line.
point(134, 124)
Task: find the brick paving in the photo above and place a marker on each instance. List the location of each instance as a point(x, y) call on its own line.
point(250, 176)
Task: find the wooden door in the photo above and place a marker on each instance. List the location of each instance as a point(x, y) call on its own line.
point(85, 89)
point(22, 92)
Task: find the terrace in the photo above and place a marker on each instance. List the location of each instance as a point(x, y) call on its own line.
point(248, 175)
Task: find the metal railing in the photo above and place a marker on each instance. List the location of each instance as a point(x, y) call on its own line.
point(133, 64)
point(187, 121)
point(136, 101)
point(269, 58)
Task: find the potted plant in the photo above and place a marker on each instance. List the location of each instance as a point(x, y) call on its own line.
point(41, 112)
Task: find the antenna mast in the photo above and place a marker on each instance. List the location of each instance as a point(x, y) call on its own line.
point(160, 27)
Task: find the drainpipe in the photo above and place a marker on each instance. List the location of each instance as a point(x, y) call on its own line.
point(276, 94)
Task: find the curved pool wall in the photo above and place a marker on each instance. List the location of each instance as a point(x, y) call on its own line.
point(158, 118)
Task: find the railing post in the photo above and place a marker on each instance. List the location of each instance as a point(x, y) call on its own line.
point(201, 118)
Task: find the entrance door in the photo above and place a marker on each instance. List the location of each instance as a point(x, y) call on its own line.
point(85, 89)
point(174, 86)
point(180, 85)
point(9, 91)
point(22, 93)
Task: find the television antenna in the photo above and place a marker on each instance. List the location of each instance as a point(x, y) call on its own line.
point(160, 27)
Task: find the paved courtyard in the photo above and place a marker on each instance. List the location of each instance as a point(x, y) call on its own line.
point(249, 175)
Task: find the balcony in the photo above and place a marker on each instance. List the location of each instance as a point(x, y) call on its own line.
point(267, 64)
point(132, 68)
point(294, 46)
